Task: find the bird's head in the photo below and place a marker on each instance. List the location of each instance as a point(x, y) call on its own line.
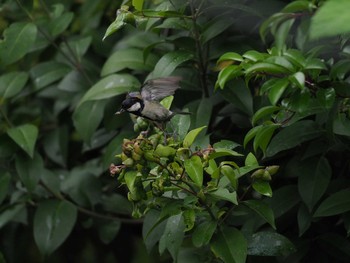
point(132, 104)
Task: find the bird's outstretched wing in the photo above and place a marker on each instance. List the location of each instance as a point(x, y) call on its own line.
point(157, 89)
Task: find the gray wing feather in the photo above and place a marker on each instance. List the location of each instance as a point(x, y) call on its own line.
point(157, 89)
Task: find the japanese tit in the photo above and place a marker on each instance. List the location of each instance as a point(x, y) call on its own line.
point(146, 103)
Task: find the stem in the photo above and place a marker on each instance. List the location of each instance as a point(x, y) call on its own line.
point(74, 63)
point(89, 212)
point(202, 64)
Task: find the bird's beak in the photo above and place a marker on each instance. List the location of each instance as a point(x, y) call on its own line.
point(119, 112)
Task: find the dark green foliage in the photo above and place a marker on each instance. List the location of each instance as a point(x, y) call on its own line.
point(259, 172)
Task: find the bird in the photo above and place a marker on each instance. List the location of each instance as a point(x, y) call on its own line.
point(146, 102)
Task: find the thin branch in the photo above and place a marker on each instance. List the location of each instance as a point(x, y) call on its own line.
point(89, 212)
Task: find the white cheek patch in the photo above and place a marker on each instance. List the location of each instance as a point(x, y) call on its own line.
point(135, 107)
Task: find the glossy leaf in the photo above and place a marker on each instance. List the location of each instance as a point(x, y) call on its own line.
point(314, 178)
point(263, 136)
point(330, 20)
point(152, 229)
point(228, 73)
point(254, 55)
point(203, 233)
point(138, 4)
point(263, 210)
point(282, 33)
point(304, 219)
point(292, 136)
point(297, 6)
point(87, 117)
point(46, 73)
point(191, 136)
point(298, 79)
point(110, 86)
point(12, 83)
point(341, 124)
point(169, 62)
point(29, 170)
point(18, 40)
point(264, 111)
point(269, 244)
point(173, 235)
point(264, 67)
point(251, 134)
point(262, 187)
point(225, 194)
point(53, 222)
point(335, 204)
point(284, 199)
point(60, 23)
point(10, 213)
point(194, 169)
point(25, 136)
point(230, 56)
point(130, 58)
point(276, 90)
point(229, 245)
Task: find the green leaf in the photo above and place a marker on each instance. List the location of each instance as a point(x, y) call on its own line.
point(215, 28)
point(254, 55)
point(123, 17)
point(29, 170)
point(298, 79)
point(173, 236)
point(262, 187)
point(228, 73)
point(194, 169)
point(18, 40)
point(276, 89)
point(263, 210)
point(110, 86)
point(5, 179)
point(239, 96)
point(152, 228)
point(229, 172)
point(56, 145)
point(130, 58)
point(341, 124)
point(181, 124)
point(293, 135)
point(203, 233)
point(269, 244)
point(230, 245)
point(251, 134)
point(53, 222)
point(265, 67)
point(331, 19)
point(87, 118)
point(107, 231)
point(138, 4)
point(284, 199)
point(282, 33)
point(225, 194)
point(230, 56)
point(335, 204)
point(251, 160)
point(263, 136)
point(314, 178)
point(297, 6)
point(304, 219)
point(225, 144)
point(220, 152)
point(11, 212)
point(169, 62)
point(25, 137)
point(47, 73)
point(189, 216)
point(191, 136)
point(12, 83)
point(60, 23)
point(264, 111)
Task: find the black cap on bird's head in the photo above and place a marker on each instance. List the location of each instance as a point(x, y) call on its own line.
point(131, 104)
